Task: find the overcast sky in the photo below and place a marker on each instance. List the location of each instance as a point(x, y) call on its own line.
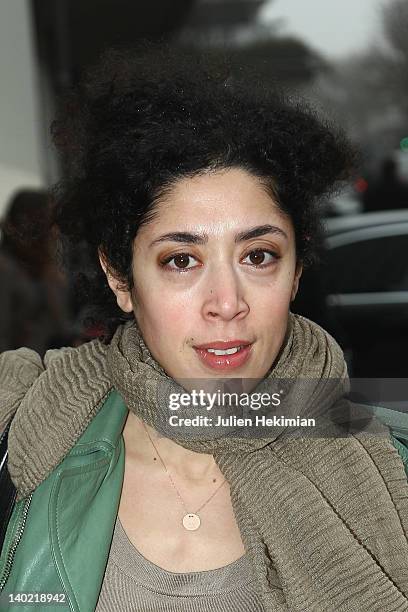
point(335, 27)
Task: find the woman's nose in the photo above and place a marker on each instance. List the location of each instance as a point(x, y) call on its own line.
point(224, 296)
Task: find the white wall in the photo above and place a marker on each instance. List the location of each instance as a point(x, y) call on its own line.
point(20, 126)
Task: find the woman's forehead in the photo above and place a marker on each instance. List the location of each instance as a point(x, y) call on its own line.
point(228, 201)
point(225, 184)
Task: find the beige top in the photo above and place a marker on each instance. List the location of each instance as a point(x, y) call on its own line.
point(133, 583)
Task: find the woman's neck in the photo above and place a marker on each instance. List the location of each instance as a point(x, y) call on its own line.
point(187, 465)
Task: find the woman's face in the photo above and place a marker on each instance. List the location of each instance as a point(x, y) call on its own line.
point(217, 265)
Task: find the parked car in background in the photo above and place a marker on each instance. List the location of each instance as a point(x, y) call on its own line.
point(345, 203)
point(362, 284)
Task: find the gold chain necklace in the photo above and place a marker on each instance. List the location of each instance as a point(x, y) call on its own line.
point(191, 520)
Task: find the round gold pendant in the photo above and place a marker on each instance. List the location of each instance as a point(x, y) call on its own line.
point(191, 522)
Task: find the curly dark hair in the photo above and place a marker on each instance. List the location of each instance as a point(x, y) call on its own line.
point(141, 120)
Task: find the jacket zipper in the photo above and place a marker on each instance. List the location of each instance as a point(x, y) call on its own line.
point(13, 547)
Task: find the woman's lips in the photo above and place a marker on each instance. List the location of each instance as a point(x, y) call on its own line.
point(224, 362)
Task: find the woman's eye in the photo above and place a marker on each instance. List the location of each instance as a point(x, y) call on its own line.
point(181, 261)
point(261, 257)
point(258, 258)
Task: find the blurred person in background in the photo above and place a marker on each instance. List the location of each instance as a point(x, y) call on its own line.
point(34, 297)
point(388, 191)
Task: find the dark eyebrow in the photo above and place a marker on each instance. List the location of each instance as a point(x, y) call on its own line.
point(259, 230)
point(190, 238)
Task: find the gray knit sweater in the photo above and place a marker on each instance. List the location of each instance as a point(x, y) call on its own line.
point(133, 583)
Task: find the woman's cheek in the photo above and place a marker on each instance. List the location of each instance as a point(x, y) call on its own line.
point(274, 305)
point(173, 318)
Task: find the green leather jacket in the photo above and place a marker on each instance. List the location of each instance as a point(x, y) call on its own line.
point(45, 549)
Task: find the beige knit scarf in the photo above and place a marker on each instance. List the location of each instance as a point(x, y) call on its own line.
point(323, 517)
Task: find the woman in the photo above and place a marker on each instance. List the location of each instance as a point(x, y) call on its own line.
point(198, 199)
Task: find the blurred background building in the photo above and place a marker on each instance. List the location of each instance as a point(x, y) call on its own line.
point(349, 59)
